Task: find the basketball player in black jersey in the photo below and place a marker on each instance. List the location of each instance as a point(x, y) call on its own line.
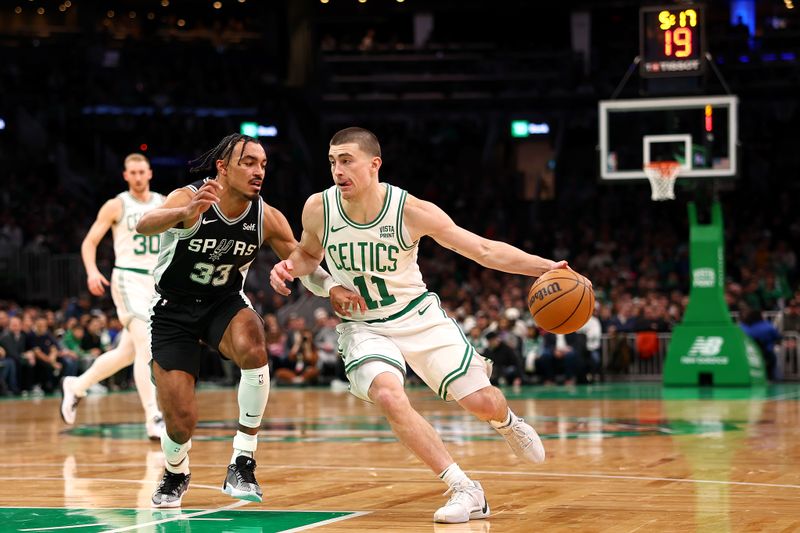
point(212, 230)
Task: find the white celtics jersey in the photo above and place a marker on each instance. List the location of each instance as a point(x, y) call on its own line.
point(134, 251)
point(376, 259)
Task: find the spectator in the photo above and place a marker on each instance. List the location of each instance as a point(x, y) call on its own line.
point(766, 336)
point(326, 340)
point(508, 368)
point(13, 342)
point(790, 319)
point(561, 357)
point(49, 365)
point(71, 343)
point(8, 373)
point(276, 343)
point(593, 330)
point(302, 368)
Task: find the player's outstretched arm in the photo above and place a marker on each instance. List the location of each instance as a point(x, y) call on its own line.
point(108, 215)
point(425, 218)
point(181, 206)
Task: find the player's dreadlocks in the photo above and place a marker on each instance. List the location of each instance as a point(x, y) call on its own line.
point(207, 163)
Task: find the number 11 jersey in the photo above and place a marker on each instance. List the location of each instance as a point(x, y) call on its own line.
point(376, 259)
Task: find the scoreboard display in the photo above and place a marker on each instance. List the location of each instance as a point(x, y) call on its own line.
point(671, 41)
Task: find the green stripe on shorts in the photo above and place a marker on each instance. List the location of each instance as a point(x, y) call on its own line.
point(360, 361)
point(457, 373)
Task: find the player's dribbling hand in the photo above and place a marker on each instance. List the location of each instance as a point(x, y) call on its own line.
point(95, 284)
point(204, 198)
point(345, 301)
point(280, 275)
point(563, 264)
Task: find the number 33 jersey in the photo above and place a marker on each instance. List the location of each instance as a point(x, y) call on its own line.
point(376, 259)
point(212, 257)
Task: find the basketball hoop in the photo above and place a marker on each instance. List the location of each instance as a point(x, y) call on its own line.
point(662, 176)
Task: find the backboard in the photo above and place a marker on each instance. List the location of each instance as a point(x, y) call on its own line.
point(700, 132)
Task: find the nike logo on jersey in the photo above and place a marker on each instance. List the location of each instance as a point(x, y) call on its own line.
point(334, 230)
point(422, 311)
point(207, 221)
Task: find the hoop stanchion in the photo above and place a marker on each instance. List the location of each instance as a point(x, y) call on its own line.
point(662, 176)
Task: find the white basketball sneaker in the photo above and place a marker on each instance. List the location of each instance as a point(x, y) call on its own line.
point(154, 427)
point(523, 440)
point(467, 502)
point(69, 401)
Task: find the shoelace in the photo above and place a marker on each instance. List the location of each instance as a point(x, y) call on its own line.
point(519, 431)
point(460, 494)
point(170, 483)
point(246, 474)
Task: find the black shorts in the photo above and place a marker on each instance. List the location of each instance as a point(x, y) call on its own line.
point(177, 325)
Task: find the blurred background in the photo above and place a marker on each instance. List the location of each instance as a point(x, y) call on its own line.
point(83, 83)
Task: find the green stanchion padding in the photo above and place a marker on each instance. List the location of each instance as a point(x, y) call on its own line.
point(708, 347)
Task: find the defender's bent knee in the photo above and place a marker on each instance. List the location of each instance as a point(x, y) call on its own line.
point(180, 425)
point(252, 357)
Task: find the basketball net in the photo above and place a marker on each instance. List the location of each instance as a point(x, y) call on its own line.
point(662, 176)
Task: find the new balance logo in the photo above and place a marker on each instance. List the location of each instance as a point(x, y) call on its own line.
point(334, 230)
point(706, 346)
point(249, 227)
point(209, 221)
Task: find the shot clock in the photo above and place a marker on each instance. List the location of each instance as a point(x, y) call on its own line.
point(671, 41)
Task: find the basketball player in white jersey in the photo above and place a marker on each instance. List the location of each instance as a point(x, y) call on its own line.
point(132, 289)
point(368, 232)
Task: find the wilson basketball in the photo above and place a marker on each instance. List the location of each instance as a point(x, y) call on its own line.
point(561, 301)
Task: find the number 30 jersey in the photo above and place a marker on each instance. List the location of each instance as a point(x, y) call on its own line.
point(212, 257)
point(132, 250)
point(376, 259)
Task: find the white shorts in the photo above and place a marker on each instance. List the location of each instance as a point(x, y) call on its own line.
point(132, 293)
point(426, 339)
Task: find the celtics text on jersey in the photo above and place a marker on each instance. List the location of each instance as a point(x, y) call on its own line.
point(375, 259)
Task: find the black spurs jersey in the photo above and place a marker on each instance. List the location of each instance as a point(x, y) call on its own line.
point(212, 257)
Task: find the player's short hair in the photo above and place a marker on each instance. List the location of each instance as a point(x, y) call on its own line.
point(136, 158)
point(365, 139)
point(207, 163)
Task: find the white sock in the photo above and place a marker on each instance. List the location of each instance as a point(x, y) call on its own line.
point(253, 394)
point(453, 475)
point(244, 444)
point(505, 423)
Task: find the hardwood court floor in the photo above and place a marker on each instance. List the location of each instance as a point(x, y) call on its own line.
point(621, 457)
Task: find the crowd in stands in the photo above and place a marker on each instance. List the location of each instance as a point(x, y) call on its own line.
point(70, 122)
point(39, 346)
